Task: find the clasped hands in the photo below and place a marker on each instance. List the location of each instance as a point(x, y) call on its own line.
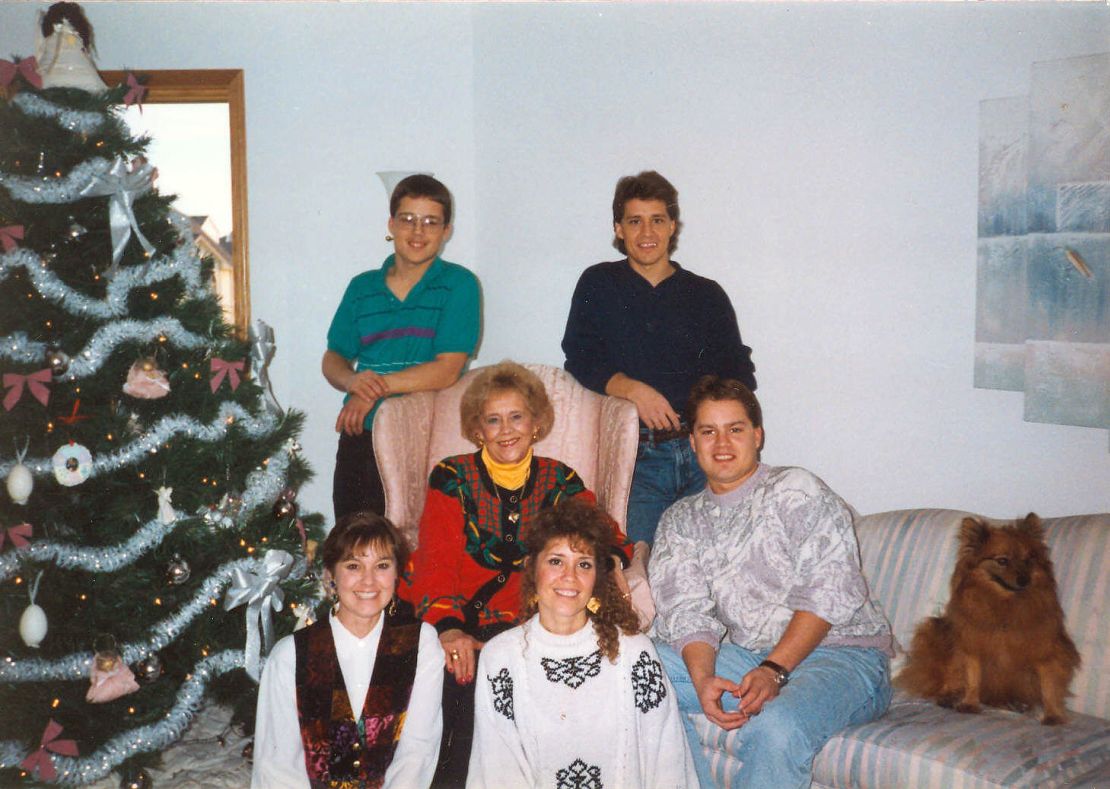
point(754, 690)
point(365, 389)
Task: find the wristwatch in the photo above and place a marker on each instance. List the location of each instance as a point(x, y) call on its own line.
point(782, 676)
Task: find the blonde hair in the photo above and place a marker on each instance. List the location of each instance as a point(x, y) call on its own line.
point(505, 377)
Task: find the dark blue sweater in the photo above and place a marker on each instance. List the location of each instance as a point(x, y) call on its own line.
point(667, 336)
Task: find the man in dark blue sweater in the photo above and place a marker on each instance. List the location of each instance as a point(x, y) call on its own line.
point(646, 329)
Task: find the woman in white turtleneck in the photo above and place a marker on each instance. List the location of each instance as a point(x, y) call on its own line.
point(575, 696)
point(465, 576)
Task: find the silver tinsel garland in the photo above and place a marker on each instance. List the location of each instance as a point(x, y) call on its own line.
point(144, 739)
point(51, 190)
point(263, 486)
point(165, 429)
point(74, 120)
point(88, 360)
point(182, 263)
point(76, 666)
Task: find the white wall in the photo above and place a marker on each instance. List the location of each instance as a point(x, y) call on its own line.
point(826, 157)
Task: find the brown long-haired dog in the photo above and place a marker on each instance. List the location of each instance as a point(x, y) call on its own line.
point(1001, 640)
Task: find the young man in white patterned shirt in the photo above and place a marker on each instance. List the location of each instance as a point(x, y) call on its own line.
point(764, 620)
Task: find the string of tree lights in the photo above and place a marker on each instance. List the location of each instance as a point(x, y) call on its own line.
point(151, 547)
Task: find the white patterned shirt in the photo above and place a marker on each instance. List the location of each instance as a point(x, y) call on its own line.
point(551, 712)
point(740, 564)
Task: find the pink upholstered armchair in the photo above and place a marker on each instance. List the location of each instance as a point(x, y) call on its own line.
point(593, 434)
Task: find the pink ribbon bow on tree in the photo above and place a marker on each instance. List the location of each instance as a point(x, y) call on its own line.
point(36, 382)
point(27, 68)
point(42, 762)
point(221, 368)
point(18, 534)
point(9, 234)
point(136, 94)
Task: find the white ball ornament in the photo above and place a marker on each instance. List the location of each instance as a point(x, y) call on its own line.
point(20, 483)
point(33, 625)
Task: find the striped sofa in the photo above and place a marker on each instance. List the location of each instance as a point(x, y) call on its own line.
point(908, 558)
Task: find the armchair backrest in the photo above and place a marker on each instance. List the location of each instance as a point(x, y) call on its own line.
point(593, 434)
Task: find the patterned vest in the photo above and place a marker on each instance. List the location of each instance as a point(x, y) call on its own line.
point(339, 751)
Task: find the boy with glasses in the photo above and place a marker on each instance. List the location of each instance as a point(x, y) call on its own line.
point(409, 326)
point(646, 329)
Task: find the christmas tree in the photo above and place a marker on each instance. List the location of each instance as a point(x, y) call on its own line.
point(150, 545)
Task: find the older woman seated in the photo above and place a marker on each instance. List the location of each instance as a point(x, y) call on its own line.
point(575, 696)
point(465, 575)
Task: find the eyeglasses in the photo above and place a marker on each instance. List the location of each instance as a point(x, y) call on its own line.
point(412, 220)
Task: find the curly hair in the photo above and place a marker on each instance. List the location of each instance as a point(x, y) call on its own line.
point(507, 376)
point(587, 529)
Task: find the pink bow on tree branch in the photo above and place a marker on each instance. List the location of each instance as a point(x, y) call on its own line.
point(9, 234)
point(221, 368)
point(35, 382)
point(27, 68)
point(42, 762)
point(136, 93)
point(20, 534)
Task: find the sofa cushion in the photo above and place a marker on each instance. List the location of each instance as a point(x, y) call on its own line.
point(908, 557)
point(918, 743)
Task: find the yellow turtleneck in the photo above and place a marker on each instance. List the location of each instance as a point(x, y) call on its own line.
point(509, 476)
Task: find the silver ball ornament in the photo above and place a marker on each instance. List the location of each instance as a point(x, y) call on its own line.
point(138, 779)
point(149, 669)
point(58, 362)
point(285, 509)
point(177, 571)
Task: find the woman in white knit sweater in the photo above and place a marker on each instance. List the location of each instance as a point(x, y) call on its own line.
point(575, 696)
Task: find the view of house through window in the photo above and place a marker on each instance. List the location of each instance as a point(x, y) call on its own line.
point(191, 149)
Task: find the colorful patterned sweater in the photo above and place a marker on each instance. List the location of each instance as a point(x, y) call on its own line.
point(466, 572)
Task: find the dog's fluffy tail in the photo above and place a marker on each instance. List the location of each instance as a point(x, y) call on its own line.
point(931, 650)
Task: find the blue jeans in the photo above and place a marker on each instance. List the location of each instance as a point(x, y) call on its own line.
point(665, 472)
point(833, 688)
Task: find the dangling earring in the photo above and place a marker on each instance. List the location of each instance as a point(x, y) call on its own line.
point(593, 605)
point(392, 611)
point(481, 441)
point(334, 599)
point(535, 436)
point(533, 599)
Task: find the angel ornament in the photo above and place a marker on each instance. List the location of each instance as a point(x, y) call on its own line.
point(64, 43)
point(109, 676)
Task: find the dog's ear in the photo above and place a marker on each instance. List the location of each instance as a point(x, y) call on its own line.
point(973, 535)
point(1032, 526)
